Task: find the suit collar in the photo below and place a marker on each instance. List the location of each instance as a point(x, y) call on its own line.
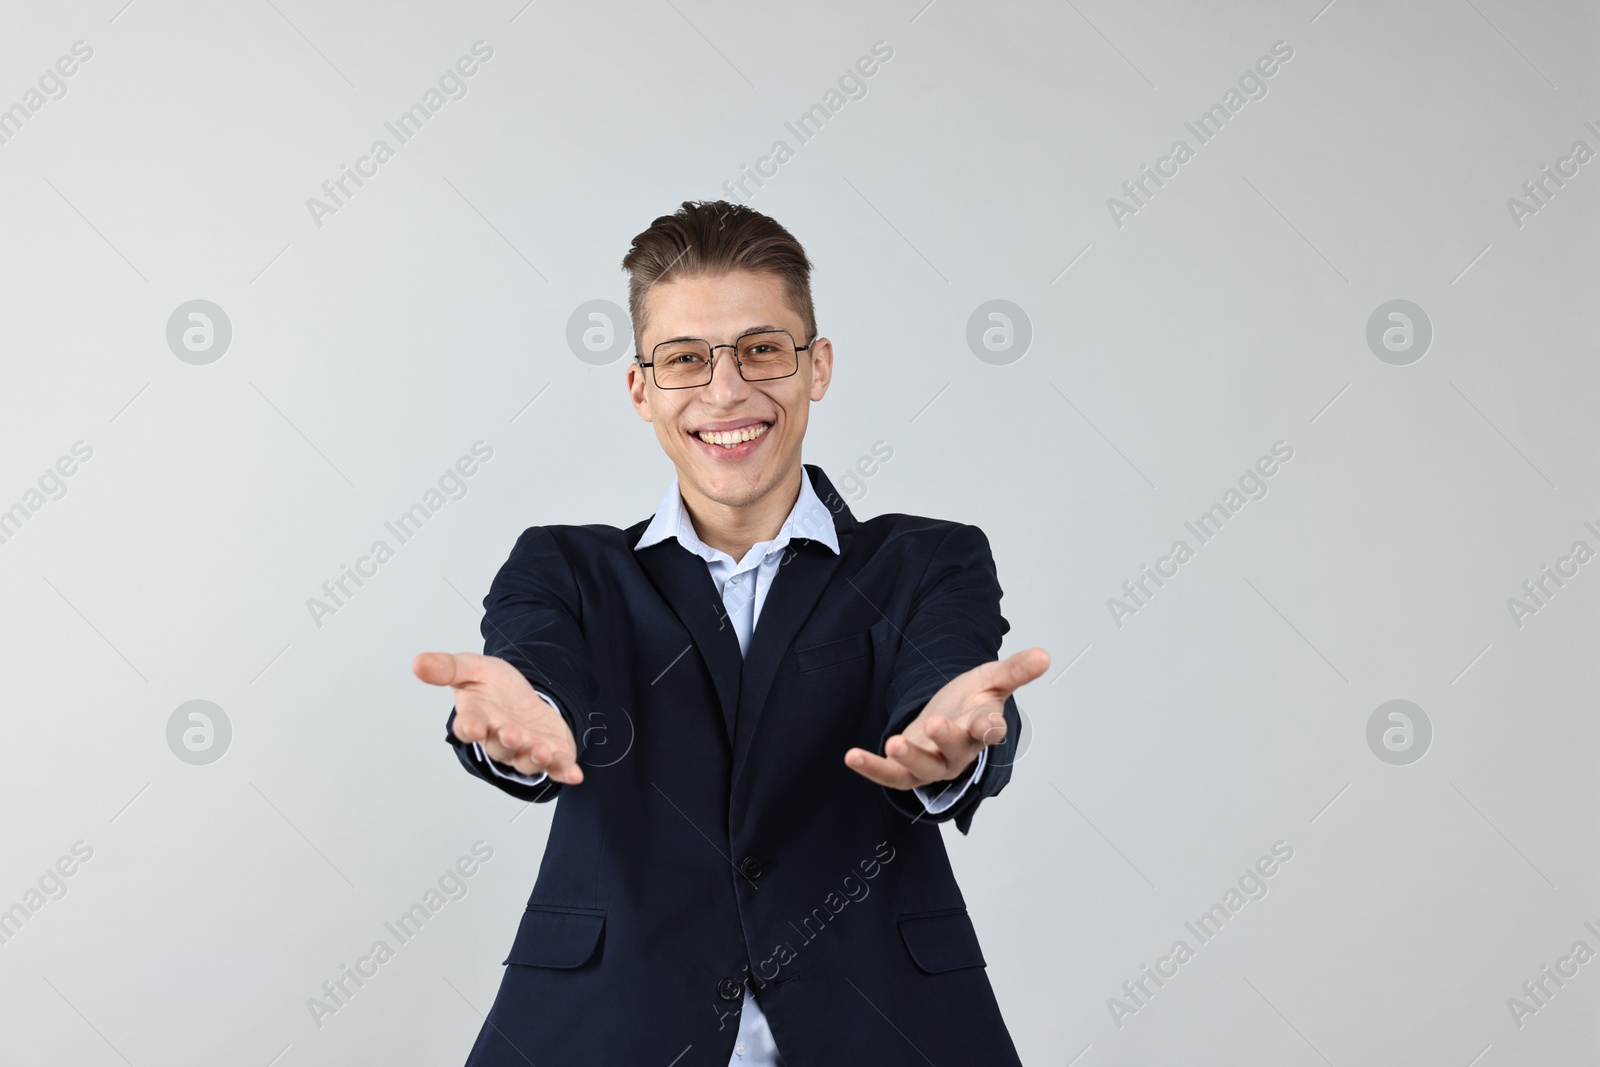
point(809, 518)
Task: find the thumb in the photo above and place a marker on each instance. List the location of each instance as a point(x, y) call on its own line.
point(1016, 670)
point(441, 668)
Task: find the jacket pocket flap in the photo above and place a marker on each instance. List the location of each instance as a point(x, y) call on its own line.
point(943, 941)
point(830, 652)
point(556, 938)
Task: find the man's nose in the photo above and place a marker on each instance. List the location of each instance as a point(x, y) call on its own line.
point(725, 379)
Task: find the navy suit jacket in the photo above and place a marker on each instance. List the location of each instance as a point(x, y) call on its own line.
point(718, 837)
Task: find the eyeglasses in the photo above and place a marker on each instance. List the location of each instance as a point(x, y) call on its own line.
point(688, 362)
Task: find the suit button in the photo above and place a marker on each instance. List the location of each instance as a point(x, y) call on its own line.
point(750, 867)
point(730, 989)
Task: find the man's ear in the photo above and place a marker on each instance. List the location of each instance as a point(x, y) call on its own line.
point(637, 391)
point(821, 367)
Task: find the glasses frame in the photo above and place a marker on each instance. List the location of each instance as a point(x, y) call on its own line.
point(712, 372)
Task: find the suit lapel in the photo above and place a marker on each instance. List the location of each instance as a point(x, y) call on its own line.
point(685, 584)
point(805, 572)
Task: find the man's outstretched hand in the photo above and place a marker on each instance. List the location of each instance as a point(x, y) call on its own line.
point(497, 707)
point(962, 719)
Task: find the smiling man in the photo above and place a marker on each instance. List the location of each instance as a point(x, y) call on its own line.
point(753, 710)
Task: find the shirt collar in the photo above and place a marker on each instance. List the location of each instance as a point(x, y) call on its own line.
point(809, 518)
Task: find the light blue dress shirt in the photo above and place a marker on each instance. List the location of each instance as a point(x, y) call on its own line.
point(743, 586)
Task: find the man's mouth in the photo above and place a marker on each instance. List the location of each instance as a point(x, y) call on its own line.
point(733, 438)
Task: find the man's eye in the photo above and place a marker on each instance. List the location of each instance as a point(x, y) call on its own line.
point(759, 350)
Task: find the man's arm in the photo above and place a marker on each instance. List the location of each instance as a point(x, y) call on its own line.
point(946, 679)
point(935, 798)
point(532, 622)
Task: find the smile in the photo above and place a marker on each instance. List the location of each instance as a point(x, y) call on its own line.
point(734, 438)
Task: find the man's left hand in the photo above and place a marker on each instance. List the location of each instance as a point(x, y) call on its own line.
point(962, 719)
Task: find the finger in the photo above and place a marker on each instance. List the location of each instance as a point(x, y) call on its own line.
point(908, 745)
point(468, 727)
point(530, 761)
point(531, 754)
point(928, 734)
point(1013, 672)
point(957, 748)
point(563, 767)
point(446, 668)
point(923, 765)
point(877, 769)
point(943, 741)
point(518, 744)
point(473, 719)
point(524, 760)
point(513, 737)
point(987, 729)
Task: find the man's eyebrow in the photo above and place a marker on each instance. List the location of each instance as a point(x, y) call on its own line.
point(764, 328)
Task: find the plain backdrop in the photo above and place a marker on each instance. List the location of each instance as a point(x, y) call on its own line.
point(1145, 358)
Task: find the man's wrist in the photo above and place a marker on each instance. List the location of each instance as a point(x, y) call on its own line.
point(939, 797)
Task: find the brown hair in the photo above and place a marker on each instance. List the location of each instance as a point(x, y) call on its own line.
point(711, 237)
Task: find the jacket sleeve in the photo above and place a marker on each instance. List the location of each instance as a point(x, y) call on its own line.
point(533, 620)
point(955, 624)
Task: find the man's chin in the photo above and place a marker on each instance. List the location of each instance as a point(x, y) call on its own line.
point(733, 485)
point(731, 491)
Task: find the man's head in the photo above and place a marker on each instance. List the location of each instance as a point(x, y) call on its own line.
point(719, 271)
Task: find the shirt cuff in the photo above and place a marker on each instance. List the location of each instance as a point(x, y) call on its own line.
point(949, 794)
point(502, 771)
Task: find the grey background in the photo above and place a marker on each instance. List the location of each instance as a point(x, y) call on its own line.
point(1167, 354)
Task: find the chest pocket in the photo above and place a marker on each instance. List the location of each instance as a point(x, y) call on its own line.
point(816, 657)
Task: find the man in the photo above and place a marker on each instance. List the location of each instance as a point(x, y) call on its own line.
point(745, 852)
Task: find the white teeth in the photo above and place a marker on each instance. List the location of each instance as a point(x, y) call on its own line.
point(729, 438)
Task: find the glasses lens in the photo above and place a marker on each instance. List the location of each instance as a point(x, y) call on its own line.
point(766, 355)
point(682, 363)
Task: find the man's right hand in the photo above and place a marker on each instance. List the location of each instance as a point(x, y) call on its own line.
point(496, 707)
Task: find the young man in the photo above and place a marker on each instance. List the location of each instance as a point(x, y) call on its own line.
point(744, 866)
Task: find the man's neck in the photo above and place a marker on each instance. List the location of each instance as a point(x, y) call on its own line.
point(734, 529)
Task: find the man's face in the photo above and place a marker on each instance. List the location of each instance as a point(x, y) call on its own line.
point(720, 309)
